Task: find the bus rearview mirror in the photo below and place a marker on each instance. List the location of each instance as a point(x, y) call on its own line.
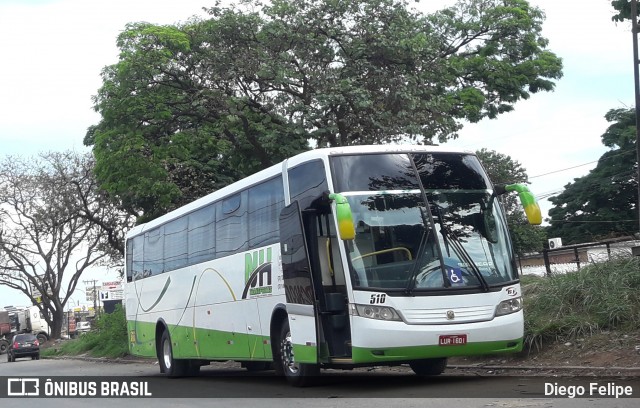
point(528, 201)
point(346, 229)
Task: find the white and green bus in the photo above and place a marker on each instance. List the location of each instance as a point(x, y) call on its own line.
point(335, 258)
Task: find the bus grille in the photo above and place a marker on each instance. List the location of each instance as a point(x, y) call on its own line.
point(444, 316)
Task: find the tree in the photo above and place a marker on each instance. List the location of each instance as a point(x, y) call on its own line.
point(602, 204)
point(502, 169)
point(54, 224)
point(190, 108)
point(623, 10)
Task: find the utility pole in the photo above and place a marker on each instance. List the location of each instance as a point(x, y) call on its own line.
point(636, 77)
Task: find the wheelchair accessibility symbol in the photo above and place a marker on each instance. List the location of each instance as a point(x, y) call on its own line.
point(455, 276)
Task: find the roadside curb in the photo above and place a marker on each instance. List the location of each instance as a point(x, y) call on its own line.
point(573, 369)
point(102, 359)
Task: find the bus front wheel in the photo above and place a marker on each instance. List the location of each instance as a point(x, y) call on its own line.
point(297, 374)
point(428, 367)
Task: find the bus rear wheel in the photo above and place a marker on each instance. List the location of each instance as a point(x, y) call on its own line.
point(170, 366)
point(429, 366)
point(297, 374)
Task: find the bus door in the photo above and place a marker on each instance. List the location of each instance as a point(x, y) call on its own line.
point(326, 264)
point(314, 281)
point(298, 285)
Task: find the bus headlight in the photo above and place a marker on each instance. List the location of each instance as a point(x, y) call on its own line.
point(377, 312)
point(509, 306)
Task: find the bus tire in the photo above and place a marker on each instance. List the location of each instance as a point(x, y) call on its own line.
point(170, 366)
point(429, 366)
point(297, 374)
point(192, 368)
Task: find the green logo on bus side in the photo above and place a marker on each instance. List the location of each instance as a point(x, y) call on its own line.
point(257, 273)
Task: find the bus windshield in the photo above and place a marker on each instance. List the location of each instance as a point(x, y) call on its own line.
point(424, 222)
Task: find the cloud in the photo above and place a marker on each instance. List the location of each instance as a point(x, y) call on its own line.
point(53, 53)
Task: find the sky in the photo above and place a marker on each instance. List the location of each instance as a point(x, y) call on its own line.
point(54, 50)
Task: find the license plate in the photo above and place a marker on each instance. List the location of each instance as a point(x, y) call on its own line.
point(453, 340)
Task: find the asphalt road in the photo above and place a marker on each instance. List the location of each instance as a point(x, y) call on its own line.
point(229, 385)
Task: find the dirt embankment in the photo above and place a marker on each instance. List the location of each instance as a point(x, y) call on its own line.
point(602, 353)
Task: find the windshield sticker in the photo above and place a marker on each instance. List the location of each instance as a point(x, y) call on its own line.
point(455, 276)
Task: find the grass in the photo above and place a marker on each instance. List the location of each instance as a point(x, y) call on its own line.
point(107, 338)
point(603, 296)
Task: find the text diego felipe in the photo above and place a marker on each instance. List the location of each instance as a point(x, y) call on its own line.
point(593, 389)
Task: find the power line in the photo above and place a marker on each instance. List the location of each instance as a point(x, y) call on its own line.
point(561, 170)
point(613, 156)
point(605, 181)
point(544, 196)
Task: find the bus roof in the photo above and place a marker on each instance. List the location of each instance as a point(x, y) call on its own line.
point(276, 169)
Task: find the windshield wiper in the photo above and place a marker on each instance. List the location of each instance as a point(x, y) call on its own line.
point(411, 282)
point(427, 222)
point(450, 238)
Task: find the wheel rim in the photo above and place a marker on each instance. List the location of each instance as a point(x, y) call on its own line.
point(286, 351)
point(166, 353)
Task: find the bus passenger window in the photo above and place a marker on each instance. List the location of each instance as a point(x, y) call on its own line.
point(153, 252)
point(266, 200)
point(201, 235)
point(231, 225)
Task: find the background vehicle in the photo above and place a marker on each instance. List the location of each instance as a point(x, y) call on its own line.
point(83, 327)
point(16, 320)
point(335, 258)
point(23, 345)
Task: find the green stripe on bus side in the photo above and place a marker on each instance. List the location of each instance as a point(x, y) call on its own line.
point(216, 344)
point(305, 354)
point(373, 355)
point(142, 338)
point(200, 343)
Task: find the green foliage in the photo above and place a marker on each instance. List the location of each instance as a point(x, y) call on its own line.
point(502, 169)
point(526, 238)
point(623, 10)
point(602, 204)
point(107, 338)
point(603, 296)
point(190, 108)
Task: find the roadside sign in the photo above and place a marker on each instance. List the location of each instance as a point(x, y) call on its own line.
point(111, 291)
point(112, 285)
point(91, 294)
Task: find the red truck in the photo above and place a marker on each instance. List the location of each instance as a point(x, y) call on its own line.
point(21, 320)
